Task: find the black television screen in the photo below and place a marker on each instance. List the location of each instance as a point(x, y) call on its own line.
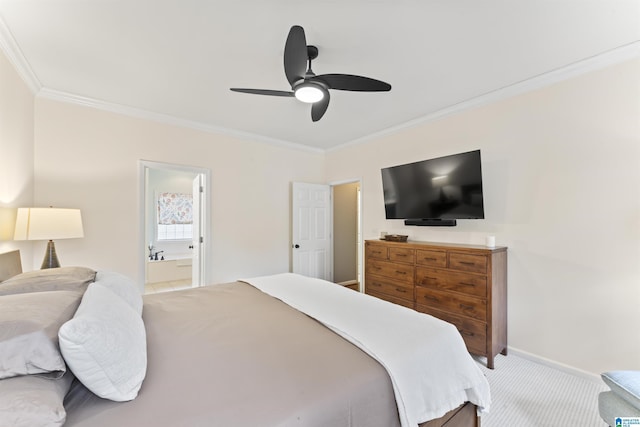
point(447, 187)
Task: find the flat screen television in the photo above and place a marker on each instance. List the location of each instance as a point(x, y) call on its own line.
point(436, 191)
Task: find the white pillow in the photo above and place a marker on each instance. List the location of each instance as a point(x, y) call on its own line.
point(122, 286)
point(105, 345)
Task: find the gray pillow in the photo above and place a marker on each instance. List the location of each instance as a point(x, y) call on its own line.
point(29, 401)
point(50, 279)
point(29, 325)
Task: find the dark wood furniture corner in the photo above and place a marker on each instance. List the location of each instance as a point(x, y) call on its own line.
point(463, 416)
point(462, 284)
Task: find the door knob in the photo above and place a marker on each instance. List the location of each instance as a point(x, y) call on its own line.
point(297, 246)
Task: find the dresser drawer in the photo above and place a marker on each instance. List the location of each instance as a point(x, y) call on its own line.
point(376, 251)
point(389, 287)
point(431, 258)
point(456, 304)
point(398, 272)
point(395, 300)
point(402, 255)
point(468, 262)
point(473, 332)
point(452, 281)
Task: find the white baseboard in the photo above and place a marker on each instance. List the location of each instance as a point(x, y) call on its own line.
point(554, 364)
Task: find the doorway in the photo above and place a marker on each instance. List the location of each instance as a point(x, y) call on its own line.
point(326, 237)
point(347, 235)
point(174, 224)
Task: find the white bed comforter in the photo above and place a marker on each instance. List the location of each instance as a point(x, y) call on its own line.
point(426, 358)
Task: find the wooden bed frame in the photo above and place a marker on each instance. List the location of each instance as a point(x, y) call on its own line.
point(465, 415)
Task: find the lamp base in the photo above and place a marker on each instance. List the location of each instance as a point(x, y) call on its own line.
point(50, 257)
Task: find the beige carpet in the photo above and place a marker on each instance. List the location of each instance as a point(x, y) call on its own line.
point(525, 393)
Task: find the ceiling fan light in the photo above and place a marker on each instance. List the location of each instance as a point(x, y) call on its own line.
point(309, 93)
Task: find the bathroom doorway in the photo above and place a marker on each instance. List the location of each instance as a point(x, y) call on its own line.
point(174, 225)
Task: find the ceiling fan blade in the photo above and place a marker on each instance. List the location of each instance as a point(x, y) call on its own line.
point(353, 83)
point(263, 92)
point(319, 108)
point(295, 54)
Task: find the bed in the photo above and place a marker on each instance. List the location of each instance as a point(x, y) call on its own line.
point(237, 354)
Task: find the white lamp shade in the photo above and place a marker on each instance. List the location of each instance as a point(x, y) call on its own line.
point(48, 224)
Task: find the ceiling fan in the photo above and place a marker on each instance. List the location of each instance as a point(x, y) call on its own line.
point(305, 85)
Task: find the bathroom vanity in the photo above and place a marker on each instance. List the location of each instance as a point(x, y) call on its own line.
point(169, 270)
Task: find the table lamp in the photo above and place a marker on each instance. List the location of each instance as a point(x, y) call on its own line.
point(48, 224)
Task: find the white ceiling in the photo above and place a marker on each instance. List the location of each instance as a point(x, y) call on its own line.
point(177, 59)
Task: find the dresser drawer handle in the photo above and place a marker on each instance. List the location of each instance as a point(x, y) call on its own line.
point(401, 272)
point(466, 307)
point(430, 298)
point(401, 255)
point(467, 263)
point(428, 259)
point(466, 284)
point(404, 291)
point(467, 333)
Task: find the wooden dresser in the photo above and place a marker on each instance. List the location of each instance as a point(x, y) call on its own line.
point(462, 284)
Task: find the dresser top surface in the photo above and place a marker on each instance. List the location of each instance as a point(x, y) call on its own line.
point(437, 245)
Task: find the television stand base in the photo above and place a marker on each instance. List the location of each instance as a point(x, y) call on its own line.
point(431, 222)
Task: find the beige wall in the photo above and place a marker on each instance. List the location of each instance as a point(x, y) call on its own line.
point(562, 189)
point(561, 169)
point(88, 159)
point(16, 155)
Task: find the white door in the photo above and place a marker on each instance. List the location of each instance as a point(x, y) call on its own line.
point(196, 267)
point(311, 240)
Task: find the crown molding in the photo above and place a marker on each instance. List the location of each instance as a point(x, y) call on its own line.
point(167, 119)
point(612, 57)
point(16, 58)
point(596, 62)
